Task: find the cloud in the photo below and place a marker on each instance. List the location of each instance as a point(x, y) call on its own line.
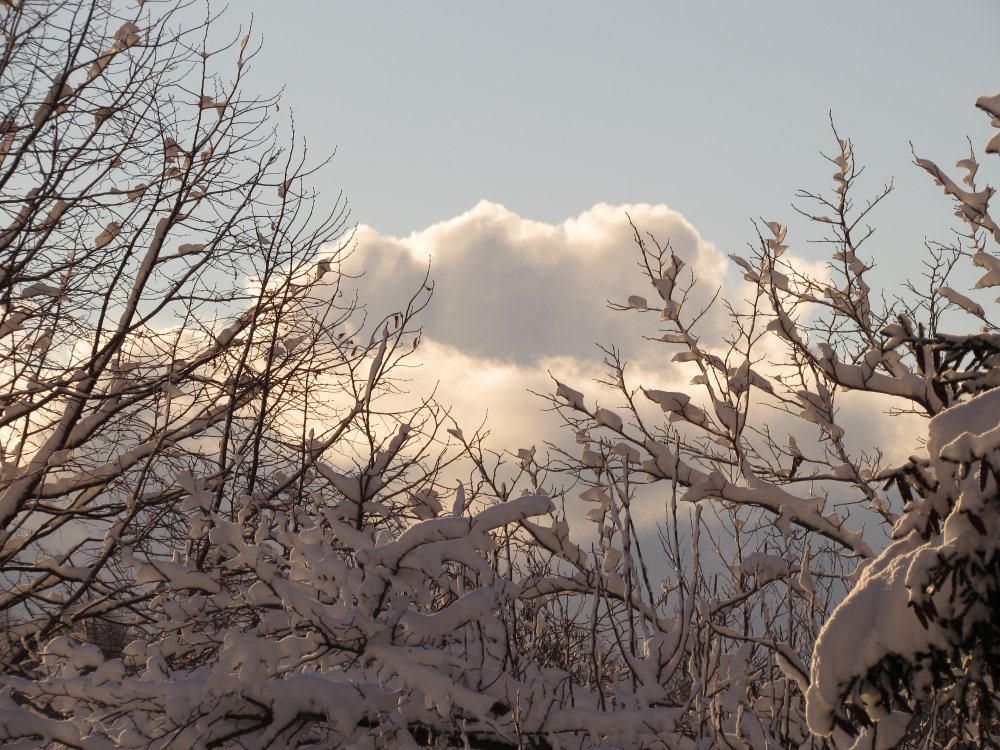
point(501, 391)
point(517, 290)
point(518, 302)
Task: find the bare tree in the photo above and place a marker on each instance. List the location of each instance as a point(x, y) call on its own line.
point(910, 655)
point(222, 520)
point(177, 345)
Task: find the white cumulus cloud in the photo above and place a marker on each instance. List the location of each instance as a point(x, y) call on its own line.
point(518, 302)
point(514, 289)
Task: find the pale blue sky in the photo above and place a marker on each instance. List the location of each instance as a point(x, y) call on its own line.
point(717, 109)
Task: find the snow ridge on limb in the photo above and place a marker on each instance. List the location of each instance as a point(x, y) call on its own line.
point(805, 512)
point(991, 105)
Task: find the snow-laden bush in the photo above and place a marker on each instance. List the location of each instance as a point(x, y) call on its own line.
point(308, 630)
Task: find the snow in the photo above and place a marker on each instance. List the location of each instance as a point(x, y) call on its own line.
point(874, 620)
point(609, 419)
point(992, 265)
point(956, 298)
point(879, 617)
point(973, 422)
point(573, 398)
point(669, 401)
point(175, 574)
point(764, 567)
point(366, 610)
point(989, 104)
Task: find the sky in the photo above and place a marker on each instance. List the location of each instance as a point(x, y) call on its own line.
point(719, 110)
point(505, 142)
